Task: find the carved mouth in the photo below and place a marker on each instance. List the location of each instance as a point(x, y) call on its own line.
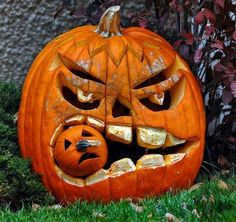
point(148, 148)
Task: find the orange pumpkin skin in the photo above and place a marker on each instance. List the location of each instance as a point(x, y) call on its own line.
point(115, 68)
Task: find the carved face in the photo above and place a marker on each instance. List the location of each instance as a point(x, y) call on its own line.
point(107, 117)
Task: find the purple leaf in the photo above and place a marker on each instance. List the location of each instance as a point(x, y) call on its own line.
point(226, 96)
point(234, 35)
point(233, 88)
point(231, 71)
point(210, 15)
point(232, 139)
point(209, 30)
point(177, 43)
point(188, 38)
point(130, 14)
point(197, 55)
point(221, 3)
point(199, 18)
point(219, 68)
point(184, 50)
point(218, 44)
point(205, 14)
point(163, 19)
point(175, 5)
point(142, 23)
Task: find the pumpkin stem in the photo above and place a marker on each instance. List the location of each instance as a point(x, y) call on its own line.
point(82, 145)
point(109, 24)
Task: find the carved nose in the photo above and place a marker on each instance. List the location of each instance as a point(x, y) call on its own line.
point(119, 109)
point(82, 145)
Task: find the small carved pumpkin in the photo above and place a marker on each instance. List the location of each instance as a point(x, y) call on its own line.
point(109, 113)
point(80, 151)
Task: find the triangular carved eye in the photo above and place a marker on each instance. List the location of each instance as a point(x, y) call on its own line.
point(67, 144)
point(152, 81)
point(86, 133)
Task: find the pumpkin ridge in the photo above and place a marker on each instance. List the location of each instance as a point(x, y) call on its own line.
point(92, 44)
point(116, 58)
point(131, 49)
point(30, 108)
point(142, 38)
point(61, 192)
point(37, 155)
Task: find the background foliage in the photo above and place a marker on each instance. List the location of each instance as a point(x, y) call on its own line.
point(203, 32)
point(18, 185)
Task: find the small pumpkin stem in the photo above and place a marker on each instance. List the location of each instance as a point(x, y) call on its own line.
point(109, 24)
point(82, 145)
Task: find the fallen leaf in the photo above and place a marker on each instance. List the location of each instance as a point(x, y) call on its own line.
point(149, 216)
point(194, 211)
point(195, 186)
point(212, 199)
point(225, 172)
point(35, 206)
point(184, 206)
point(99, 215)
point(133, 200)
point(221, 184)
point(55, 207)
point(15, 118)
point(136, 208)
point(128, 199)
point(170, 217)
point(204, 199)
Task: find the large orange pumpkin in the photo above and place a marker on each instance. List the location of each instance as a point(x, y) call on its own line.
point(108, 113)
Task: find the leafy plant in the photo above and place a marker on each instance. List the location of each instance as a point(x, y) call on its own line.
point(18, 185)
point(203, 32)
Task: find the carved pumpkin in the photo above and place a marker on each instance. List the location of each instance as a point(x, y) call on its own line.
point(110, 112)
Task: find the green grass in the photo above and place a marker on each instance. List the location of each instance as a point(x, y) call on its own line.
point(207, 203)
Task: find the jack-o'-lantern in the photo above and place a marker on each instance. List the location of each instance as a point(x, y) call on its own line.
point(110, 112)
